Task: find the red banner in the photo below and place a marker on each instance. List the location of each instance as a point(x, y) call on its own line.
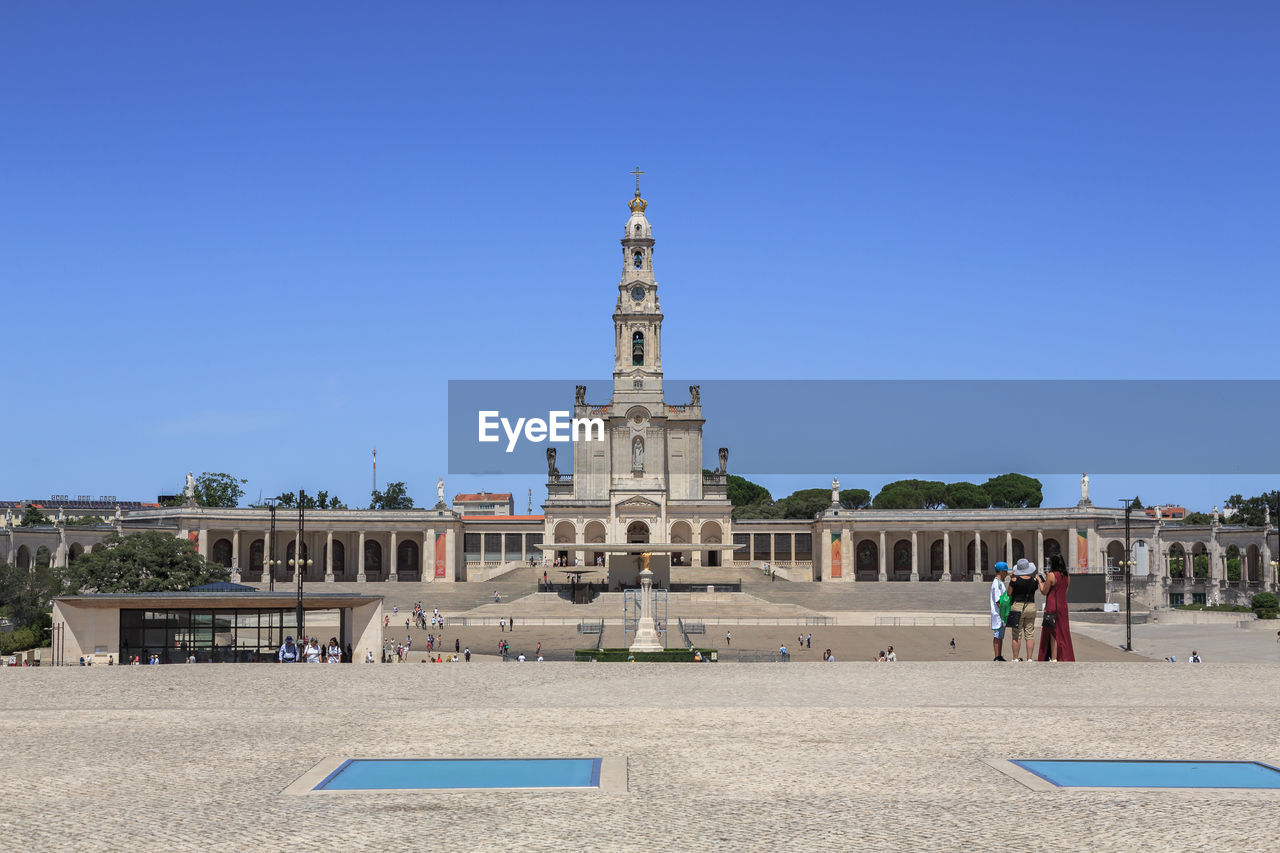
point(1082, 550)
point(440, 542)
point(837, 561)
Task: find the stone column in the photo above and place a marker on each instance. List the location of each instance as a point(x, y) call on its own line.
point(267, 557)
point(1040, 549)
point(977, 556)
point(696, 559)
point(946, 556)
point(884, 574)
point(392, 576)
point(235, 555)
point(915, 558)
point(1073, 551)
point(328, 557)
point(202, 542)
point(1266, 573)
point(1008, 548)
point(848, 560)
point(360, 577)
point(428, 572)
point(450, 555)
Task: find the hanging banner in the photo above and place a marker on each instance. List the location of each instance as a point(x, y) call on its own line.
point(1082, 550)
point(440, 543)
point(837, 559)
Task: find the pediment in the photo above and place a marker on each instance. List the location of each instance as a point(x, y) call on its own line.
point(638, 504)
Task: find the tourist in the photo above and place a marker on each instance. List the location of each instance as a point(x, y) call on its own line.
point(288, 652)
point(1022, 611)
point(1195, 657)
point(808, 641)
point(335, 651)
point(728, 638)
point(368, 656)
point(1055, 627)
point(892, 656)
point(998, 589)
point(495, 597)
point(502, 624)
point(539, 658)
point(313, 651)
point(520, 658)
point(155, 660)
point(782, 650)
point(953, 645)
point(879, 657)
point(466, 654)
point(538, 651)
point(829, 657)
point(386, 622)
point(511, 623)
point(457, 645)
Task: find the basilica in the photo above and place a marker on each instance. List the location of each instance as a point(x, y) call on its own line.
point(646, 485)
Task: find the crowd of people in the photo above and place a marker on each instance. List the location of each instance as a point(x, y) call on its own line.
point(1013, 610)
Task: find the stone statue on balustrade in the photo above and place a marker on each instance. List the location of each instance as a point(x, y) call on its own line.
point(553, 473)
point(724, 461)
point(580, 395)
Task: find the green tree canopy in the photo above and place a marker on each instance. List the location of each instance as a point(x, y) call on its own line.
point(25, 593)
point(320, 500)
point(1251, 511)
point(1013, 490)
point(964, 495)
point(32, 517)
point(1197, 518)
point(151, 561)
point(743, 492)
point(395, 496)
point(855, 498)
point(1137, 503)
point(214, 490)
point(805, 503)
point(911, 494)
point(764, 509)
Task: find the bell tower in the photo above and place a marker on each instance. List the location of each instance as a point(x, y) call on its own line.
point(637, 318)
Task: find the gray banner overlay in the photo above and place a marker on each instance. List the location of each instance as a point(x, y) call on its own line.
point(925, 427)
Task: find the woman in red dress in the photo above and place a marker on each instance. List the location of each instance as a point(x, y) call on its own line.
point(1055, 642)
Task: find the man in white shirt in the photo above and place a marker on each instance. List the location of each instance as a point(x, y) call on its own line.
point(1195, 657)
point(997, 621)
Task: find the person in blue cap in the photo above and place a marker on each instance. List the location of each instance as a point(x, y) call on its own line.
point(998, 589)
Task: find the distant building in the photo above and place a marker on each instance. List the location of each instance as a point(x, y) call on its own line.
point(485, 503)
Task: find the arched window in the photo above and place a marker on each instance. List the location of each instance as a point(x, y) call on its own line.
point(256, 555)
point(339, 558)
point(222, 553)
point(372, 557)
point(407, 558)
point(637, 348)
point(637, 227)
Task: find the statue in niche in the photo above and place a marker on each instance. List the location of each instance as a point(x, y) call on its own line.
point(580, 395)
point(553, 473)
point(695, 395)
point(724, 461)
point(637, 454)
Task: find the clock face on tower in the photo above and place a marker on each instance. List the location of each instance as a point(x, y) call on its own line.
point(637, 293)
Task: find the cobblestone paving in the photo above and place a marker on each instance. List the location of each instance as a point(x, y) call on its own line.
point(748, 757)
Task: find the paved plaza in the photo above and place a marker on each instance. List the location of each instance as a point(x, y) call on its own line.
point(801, 756)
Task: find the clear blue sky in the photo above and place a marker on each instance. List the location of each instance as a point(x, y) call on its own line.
point(259, 238)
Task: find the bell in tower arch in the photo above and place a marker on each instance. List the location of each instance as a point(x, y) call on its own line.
point(637, 348)
point(637, 258)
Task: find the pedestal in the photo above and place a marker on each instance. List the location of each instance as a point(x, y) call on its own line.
point(647, 639)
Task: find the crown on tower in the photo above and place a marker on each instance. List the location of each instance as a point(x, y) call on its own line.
point(637, 204)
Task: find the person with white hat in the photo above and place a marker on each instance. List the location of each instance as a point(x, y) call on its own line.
point(1022, 610)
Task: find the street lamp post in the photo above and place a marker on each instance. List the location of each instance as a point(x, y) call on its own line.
point(298, 562)
point(269, 565)
point(1128, 574)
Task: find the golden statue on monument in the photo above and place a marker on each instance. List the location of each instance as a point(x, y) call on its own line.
point(644, 560)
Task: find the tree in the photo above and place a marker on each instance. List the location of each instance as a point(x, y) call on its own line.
point(1251, 512)
point(396, 496)
point(911, 494)
point(320, 500)
point(33, 517)
point(1197, 518)
point(1013, 490)
point(757, 510)
point(1137, 503)
point(805, 503)
point(964, 495)
point(151, 561)
point(25, 594)
point(855, 498)
point(219, 490)
point(85, 521)
point(743, 492)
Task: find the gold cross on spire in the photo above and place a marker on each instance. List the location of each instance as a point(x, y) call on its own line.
point(637, 173)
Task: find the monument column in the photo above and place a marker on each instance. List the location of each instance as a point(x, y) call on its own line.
point(360, 576)
point(946, 556)
point(977, 557)
point(392, 576)
point(328, 557)
point(915, 558)
point(884, 574)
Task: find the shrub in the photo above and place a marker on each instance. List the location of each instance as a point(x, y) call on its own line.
point(665, 656)
point(19, 640)
point(1265, 605)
